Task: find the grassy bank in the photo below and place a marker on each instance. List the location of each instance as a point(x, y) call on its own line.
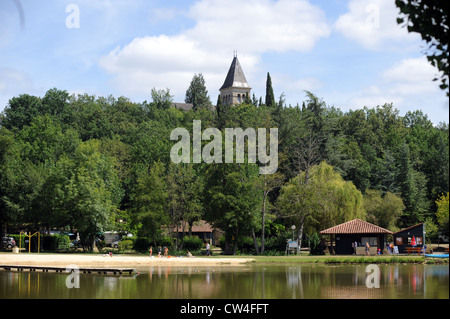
point(345, 259)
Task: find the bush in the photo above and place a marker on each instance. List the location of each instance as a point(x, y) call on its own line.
point(142, 244)
point(245, 244)
point(125, 245)
point(277, 243)
point(192, 243)
point(62, 242)
point(164, 241)
point(315, 248)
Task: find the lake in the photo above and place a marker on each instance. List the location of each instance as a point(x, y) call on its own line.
point(253, 281)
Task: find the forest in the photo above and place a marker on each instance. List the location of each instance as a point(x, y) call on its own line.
point(92, 164)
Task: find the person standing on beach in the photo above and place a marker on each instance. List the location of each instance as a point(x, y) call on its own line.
point(207, 249)
point(150, 251)
point(367, 249)
point(166, 251)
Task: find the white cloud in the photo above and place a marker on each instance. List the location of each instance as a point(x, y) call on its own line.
point(166, 62)
point(411, 77)
point(373, 24)
point(251, 27)
point(257, 26)
point(408, 84)
point(13, 81)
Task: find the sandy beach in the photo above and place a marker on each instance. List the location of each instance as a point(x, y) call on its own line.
point(116, 261)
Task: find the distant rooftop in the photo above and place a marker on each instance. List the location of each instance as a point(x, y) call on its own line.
point(235, 77)
point(183, 106)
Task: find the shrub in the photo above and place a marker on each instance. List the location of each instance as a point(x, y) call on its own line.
point(125, 244)
point(246, 244)
point(192, 243)
point(142, 244)
point(277, 243)
point(315, 248)
point(62, 242)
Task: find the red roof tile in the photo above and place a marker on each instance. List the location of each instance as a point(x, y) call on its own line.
point(356, 226)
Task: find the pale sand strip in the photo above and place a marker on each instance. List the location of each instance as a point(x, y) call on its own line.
point(116, 261)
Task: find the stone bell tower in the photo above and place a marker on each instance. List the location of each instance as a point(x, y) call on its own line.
point(235, 88)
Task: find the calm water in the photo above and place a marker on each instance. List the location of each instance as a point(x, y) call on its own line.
point(231, 282)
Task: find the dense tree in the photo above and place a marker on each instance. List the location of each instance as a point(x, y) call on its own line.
point(20, 111)
point(149, 202)
point(184, 188)
point(383, 210)
point(85, 192)
point(161, 99)
point(82, 162)
point(442, 212)
point(270, 97)
point(232, 200)
point(197, 94)
point(319, 198)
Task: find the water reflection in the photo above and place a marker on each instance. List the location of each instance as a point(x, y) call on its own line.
point(231, 282)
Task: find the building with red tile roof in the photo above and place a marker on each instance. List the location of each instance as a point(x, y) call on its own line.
point(343, 237)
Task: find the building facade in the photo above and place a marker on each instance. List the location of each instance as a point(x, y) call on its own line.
point(351, 237)
point(404, 238)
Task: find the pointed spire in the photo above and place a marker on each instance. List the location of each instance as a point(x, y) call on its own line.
point(235, 76)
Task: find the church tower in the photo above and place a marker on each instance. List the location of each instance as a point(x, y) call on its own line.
point(235, 88)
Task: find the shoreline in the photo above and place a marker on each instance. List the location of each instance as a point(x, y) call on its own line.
point(116, 261)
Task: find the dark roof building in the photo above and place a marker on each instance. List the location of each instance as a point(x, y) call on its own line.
point(344, 236)
point(403, 238)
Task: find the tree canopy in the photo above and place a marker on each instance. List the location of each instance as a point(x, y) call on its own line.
point(87, 163)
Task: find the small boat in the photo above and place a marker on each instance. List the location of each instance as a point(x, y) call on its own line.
point(437, 255)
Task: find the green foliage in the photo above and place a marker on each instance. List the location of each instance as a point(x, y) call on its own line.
point(314, 244)
point(197, 94)
point(162, 99)
point(231, 200)
point(320, 196)
point(125, 245)
point(62, 242)
point(20, 111)
point(383, 211)
point(270, 97)
point(102, 163)
point(442, 212)
point(192, 243)
point(149, 202)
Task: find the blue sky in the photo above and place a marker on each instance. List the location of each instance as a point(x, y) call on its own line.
point(350, 53)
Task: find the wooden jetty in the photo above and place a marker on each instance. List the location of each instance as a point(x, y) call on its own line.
point(105, 271)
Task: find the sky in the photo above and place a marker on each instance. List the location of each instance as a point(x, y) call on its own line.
point(350, 53)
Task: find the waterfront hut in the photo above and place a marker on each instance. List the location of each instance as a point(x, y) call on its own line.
point(202, 229)
point(343, 237)
point(403, 239)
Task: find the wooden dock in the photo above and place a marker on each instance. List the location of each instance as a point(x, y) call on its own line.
point(105, 271)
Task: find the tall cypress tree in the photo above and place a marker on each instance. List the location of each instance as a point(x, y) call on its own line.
point(270, 98)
